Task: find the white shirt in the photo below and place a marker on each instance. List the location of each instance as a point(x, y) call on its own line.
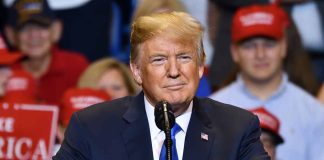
point(158, 136)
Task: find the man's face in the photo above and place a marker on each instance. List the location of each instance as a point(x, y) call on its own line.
point(34, 40)
point(259, 59)
point(168, 70)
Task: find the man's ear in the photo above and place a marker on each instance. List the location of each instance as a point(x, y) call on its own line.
point(56, 29)
point(234, 51)
point(10, 35)
point(136, 73)
point(201, 70)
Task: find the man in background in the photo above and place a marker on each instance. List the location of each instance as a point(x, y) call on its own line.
point(34, 30)
point(259, 48)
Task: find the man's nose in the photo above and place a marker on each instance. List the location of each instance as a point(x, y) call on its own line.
point(173, 68)
point(260, 51)
point(33, 32)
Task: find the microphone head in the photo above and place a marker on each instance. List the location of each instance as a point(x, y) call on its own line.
point(160, 116)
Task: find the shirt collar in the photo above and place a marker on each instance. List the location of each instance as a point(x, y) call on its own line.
point(280, 90)
point(182, 120)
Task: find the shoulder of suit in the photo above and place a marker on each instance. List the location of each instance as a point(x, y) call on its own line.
point(213, 108)
point(113, 108)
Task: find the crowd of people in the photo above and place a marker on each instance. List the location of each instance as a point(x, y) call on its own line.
point(257, 55)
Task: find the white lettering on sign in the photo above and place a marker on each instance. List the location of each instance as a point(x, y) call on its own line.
point(12, 148)
point(6, 124)
point(257, 18)
point(80, 102)
point(40, 150)
point(19, 144)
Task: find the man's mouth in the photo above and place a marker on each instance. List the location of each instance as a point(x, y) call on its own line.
point(175, 86)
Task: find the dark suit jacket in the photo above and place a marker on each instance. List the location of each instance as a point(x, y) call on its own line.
point(119, 130)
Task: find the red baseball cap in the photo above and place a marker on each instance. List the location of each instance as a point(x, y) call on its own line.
point(7, 58)
point(21, 88)
point(75, 99)
point(268, 123)
point(259, 20)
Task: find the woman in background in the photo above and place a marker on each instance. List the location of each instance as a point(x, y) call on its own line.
point(111, 76)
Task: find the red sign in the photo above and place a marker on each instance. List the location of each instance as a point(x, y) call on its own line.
point(27, 131)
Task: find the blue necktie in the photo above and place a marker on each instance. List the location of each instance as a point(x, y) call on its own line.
point(175, 129)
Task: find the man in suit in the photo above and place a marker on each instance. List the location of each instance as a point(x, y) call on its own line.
point(167, 60)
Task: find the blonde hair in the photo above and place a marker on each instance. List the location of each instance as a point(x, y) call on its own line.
point(147, 7)
point(177, 25)
point(91, 76)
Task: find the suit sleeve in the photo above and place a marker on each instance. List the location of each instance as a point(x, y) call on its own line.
point(251, 147)
point(75, 145)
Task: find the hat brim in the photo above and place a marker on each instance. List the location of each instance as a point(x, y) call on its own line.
point(40, 21)
point(9, 58)
point(257, 32)
point(277, 138)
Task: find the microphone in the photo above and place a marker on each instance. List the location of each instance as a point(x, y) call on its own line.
point(165, 120)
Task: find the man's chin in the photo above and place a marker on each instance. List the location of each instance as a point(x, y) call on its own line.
point(178, 102)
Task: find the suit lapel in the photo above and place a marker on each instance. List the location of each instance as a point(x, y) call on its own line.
point(200, 134)
point(136, 135)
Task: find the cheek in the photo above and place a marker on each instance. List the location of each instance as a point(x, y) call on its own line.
point(117, 93)
point(245, 62)
point(22, 41)
point(124, 92)
point(153, 74)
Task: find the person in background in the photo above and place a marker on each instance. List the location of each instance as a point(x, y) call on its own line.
point(111, 76)
point(104, 79)
point(220, 15)
point(296, 64)
point(270, 126)
point(34, 30)
point(6, 59)
point(16, 86)
point(75, 99)
point(259, 48)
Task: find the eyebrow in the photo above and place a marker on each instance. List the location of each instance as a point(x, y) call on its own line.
point(157, 55)
point(183, 53)
point(180, 53)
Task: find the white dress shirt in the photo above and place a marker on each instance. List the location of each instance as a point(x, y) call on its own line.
point(158, 136)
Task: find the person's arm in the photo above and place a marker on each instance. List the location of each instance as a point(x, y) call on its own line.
point(75, 145)
point(251, 146)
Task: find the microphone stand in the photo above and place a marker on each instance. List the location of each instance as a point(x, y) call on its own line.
point(168, 144)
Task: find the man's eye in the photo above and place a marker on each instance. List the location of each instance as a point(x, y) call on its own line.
point(158, 60)
point(248, 45)
point(185, 58)
point(270, 44)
